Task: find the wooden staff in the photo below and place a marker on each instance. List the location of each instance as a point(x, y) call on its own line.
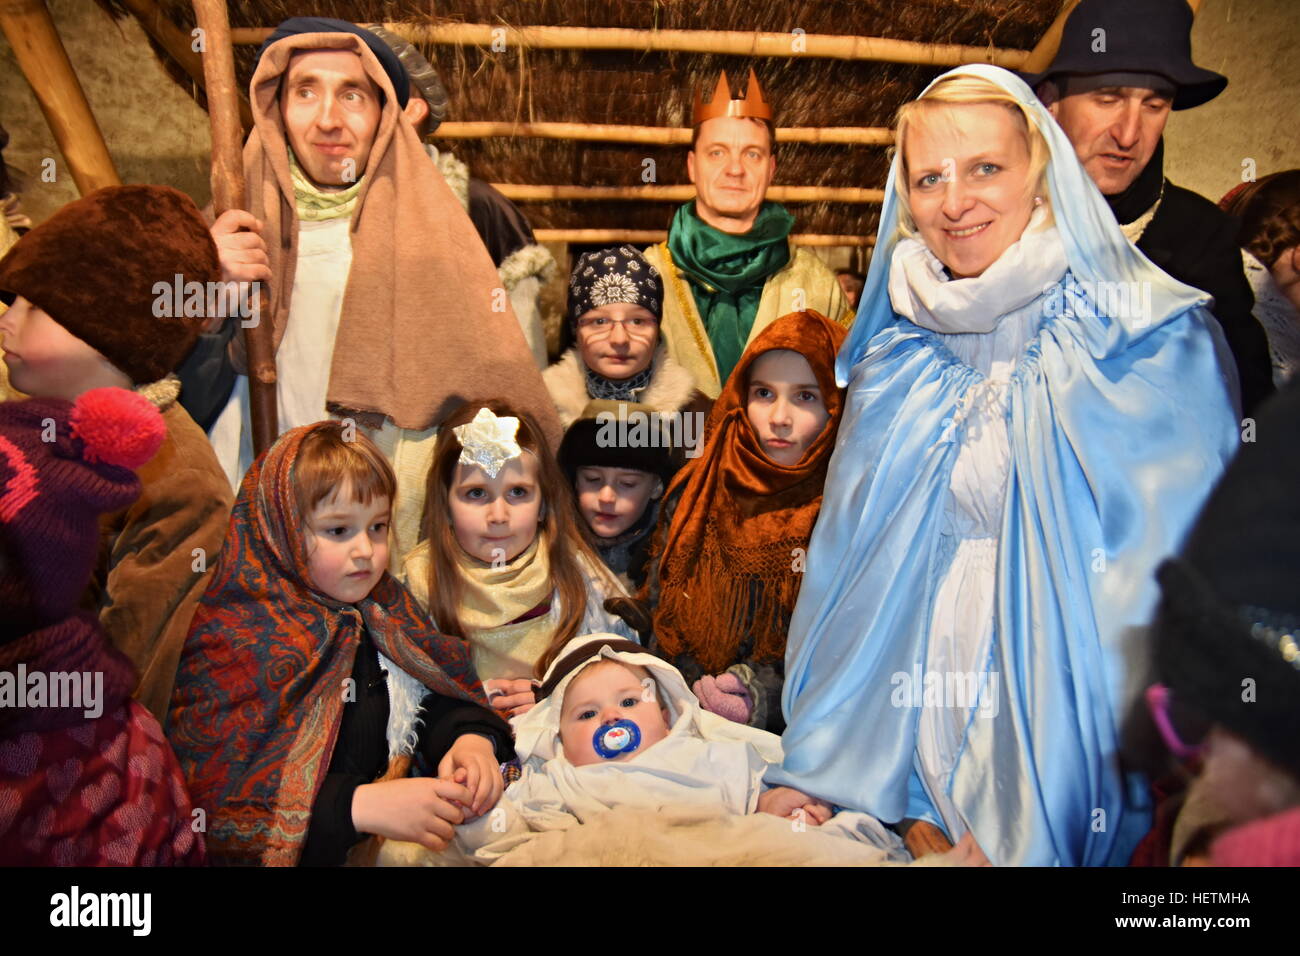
point(228, 192)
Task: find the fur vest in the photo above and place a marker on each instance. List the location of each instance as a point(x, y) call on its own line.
point(670, 390)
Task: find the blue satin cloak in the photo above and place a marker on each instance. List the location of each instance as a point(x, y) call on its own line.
point(1110, 459)
point(1119, 426)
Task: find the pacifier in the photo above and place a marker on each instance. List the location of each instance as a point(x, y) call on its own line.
point(616, 738)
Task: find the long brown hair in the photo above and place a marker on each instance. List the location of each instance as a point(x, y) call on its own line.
point(559, 524)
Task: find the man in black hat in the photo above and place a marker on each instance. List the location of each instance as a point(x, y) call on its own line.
point(1121, 67)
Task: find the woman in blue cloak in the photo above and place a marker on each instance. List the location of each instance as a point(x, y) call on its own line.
point(1035, 413)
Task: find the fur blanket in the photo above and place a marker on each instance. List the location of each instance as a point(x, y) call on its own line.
point(637, 837)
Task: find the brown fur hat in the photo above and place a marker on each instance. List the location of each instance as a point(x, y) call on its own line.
point(93, 266)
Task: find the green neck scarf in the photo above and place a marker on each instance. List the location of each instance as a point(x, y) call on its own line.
point(726, 273)
point(314, 203)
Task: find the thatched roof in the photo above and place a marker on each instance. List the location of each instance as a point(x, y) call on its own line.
point(655, 88)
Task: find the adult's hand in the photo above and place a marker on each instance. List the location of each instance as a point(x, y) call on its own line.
point(242, 252)
point(240, 247)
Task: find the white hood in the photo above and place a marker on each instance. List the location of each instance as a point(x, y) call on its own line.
point(537, 733)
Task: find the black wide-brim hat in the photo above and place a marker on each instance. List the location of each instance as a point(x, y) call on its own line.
point(1137, 36)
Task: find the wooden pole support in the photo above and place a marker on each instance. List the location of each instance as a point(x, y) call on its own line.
point(228, 192)
point(30, 30)
point(650, 236)
point(729, 42)
point(536, 193)
point(654, 135)
point(179, 46)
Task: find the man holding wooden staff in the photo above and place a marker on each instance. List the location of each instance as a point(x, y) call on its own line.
point(729, 266)
point(385, 306)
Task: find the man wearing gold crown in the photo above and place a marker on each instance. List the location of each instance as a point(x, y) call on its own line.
point(729, 266)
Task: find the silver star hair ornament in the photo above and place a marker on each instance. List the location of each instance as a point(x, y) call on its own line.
point(488, 441)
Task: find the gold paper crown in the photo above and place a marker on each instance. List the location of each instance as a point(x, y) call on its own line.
point(724, 102)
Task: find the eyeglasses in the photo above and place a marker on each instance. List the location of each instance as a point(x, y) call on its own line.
point(1183, 734)
point(600, 327)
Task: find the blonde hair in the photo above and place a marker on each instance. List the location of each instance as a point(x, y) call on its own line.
point(965, 90)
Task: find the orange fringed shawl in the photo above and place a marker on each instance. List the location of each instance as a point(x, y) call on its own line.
point(730, 560)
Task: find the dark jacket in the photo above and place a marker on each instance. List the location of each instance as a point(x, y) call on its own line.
point(1196, 242)
point(361, 752)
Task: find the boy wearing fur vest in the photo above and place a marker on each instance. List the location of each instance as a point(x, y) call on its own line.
point(84, 313)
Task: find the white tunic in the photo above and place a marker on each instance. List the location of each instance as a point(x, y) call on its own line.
point(962, 623)
point(306, 352)
point(986, 322)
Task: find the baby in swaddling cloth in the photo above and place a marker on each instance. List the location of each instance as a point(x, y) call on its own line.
point(615, 726)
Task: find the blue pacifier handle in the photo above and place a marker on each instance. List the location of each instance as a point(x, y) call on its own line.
point(616, 738)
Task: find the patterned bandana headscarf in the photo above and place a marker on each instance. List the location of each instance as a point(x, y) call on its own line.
point(617, 274)
point(260, 688)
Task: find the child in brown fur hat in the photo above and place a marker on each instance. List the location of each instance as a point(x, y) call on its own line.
point(86, 310)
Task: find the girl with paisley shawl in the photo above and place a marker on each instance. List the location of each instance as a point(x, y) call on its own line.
point(312, 683)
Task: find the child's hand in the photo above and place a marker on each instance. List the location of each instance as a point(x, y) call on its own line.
point(511, 697)
point(416, 809)
point(787, 802)
point(471, 761)
point(725, 696)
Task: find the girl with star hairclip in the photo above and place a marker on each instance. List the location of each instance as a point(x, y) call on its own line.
point(503, 562)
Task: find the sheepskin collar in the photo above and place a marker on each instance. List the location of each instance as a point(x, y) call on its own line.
point(670, 388)
point(163, 393)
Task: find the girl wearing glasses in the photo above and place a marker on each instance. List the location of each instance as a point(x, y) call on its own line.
point(615, 300)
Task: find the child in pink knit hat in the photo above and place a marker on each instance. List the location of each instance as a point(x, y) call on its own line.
point(86, 776)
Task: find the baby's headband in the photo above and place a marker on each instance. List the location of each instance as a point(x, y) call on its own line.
point(489, 441)
point(580, 655)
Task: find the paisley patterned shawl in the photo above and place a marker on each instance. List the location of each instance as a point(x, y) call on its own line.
point(261, 684)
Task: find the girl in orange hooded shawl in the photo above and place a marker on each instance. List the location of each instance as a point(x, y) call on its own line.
point(731, 543)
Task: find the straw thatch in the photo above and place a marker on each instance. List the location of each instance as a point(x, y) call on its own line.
point(655, 89)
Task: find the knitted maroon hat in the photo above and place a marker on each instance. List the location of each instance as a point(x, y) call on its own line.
point(62, 465)
point(93, 266)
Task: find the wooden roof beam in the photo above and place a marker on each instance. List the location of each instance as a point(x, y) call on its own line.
point(179, 46)
point(677, 194)
point(654, 135)
point(726, 42)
